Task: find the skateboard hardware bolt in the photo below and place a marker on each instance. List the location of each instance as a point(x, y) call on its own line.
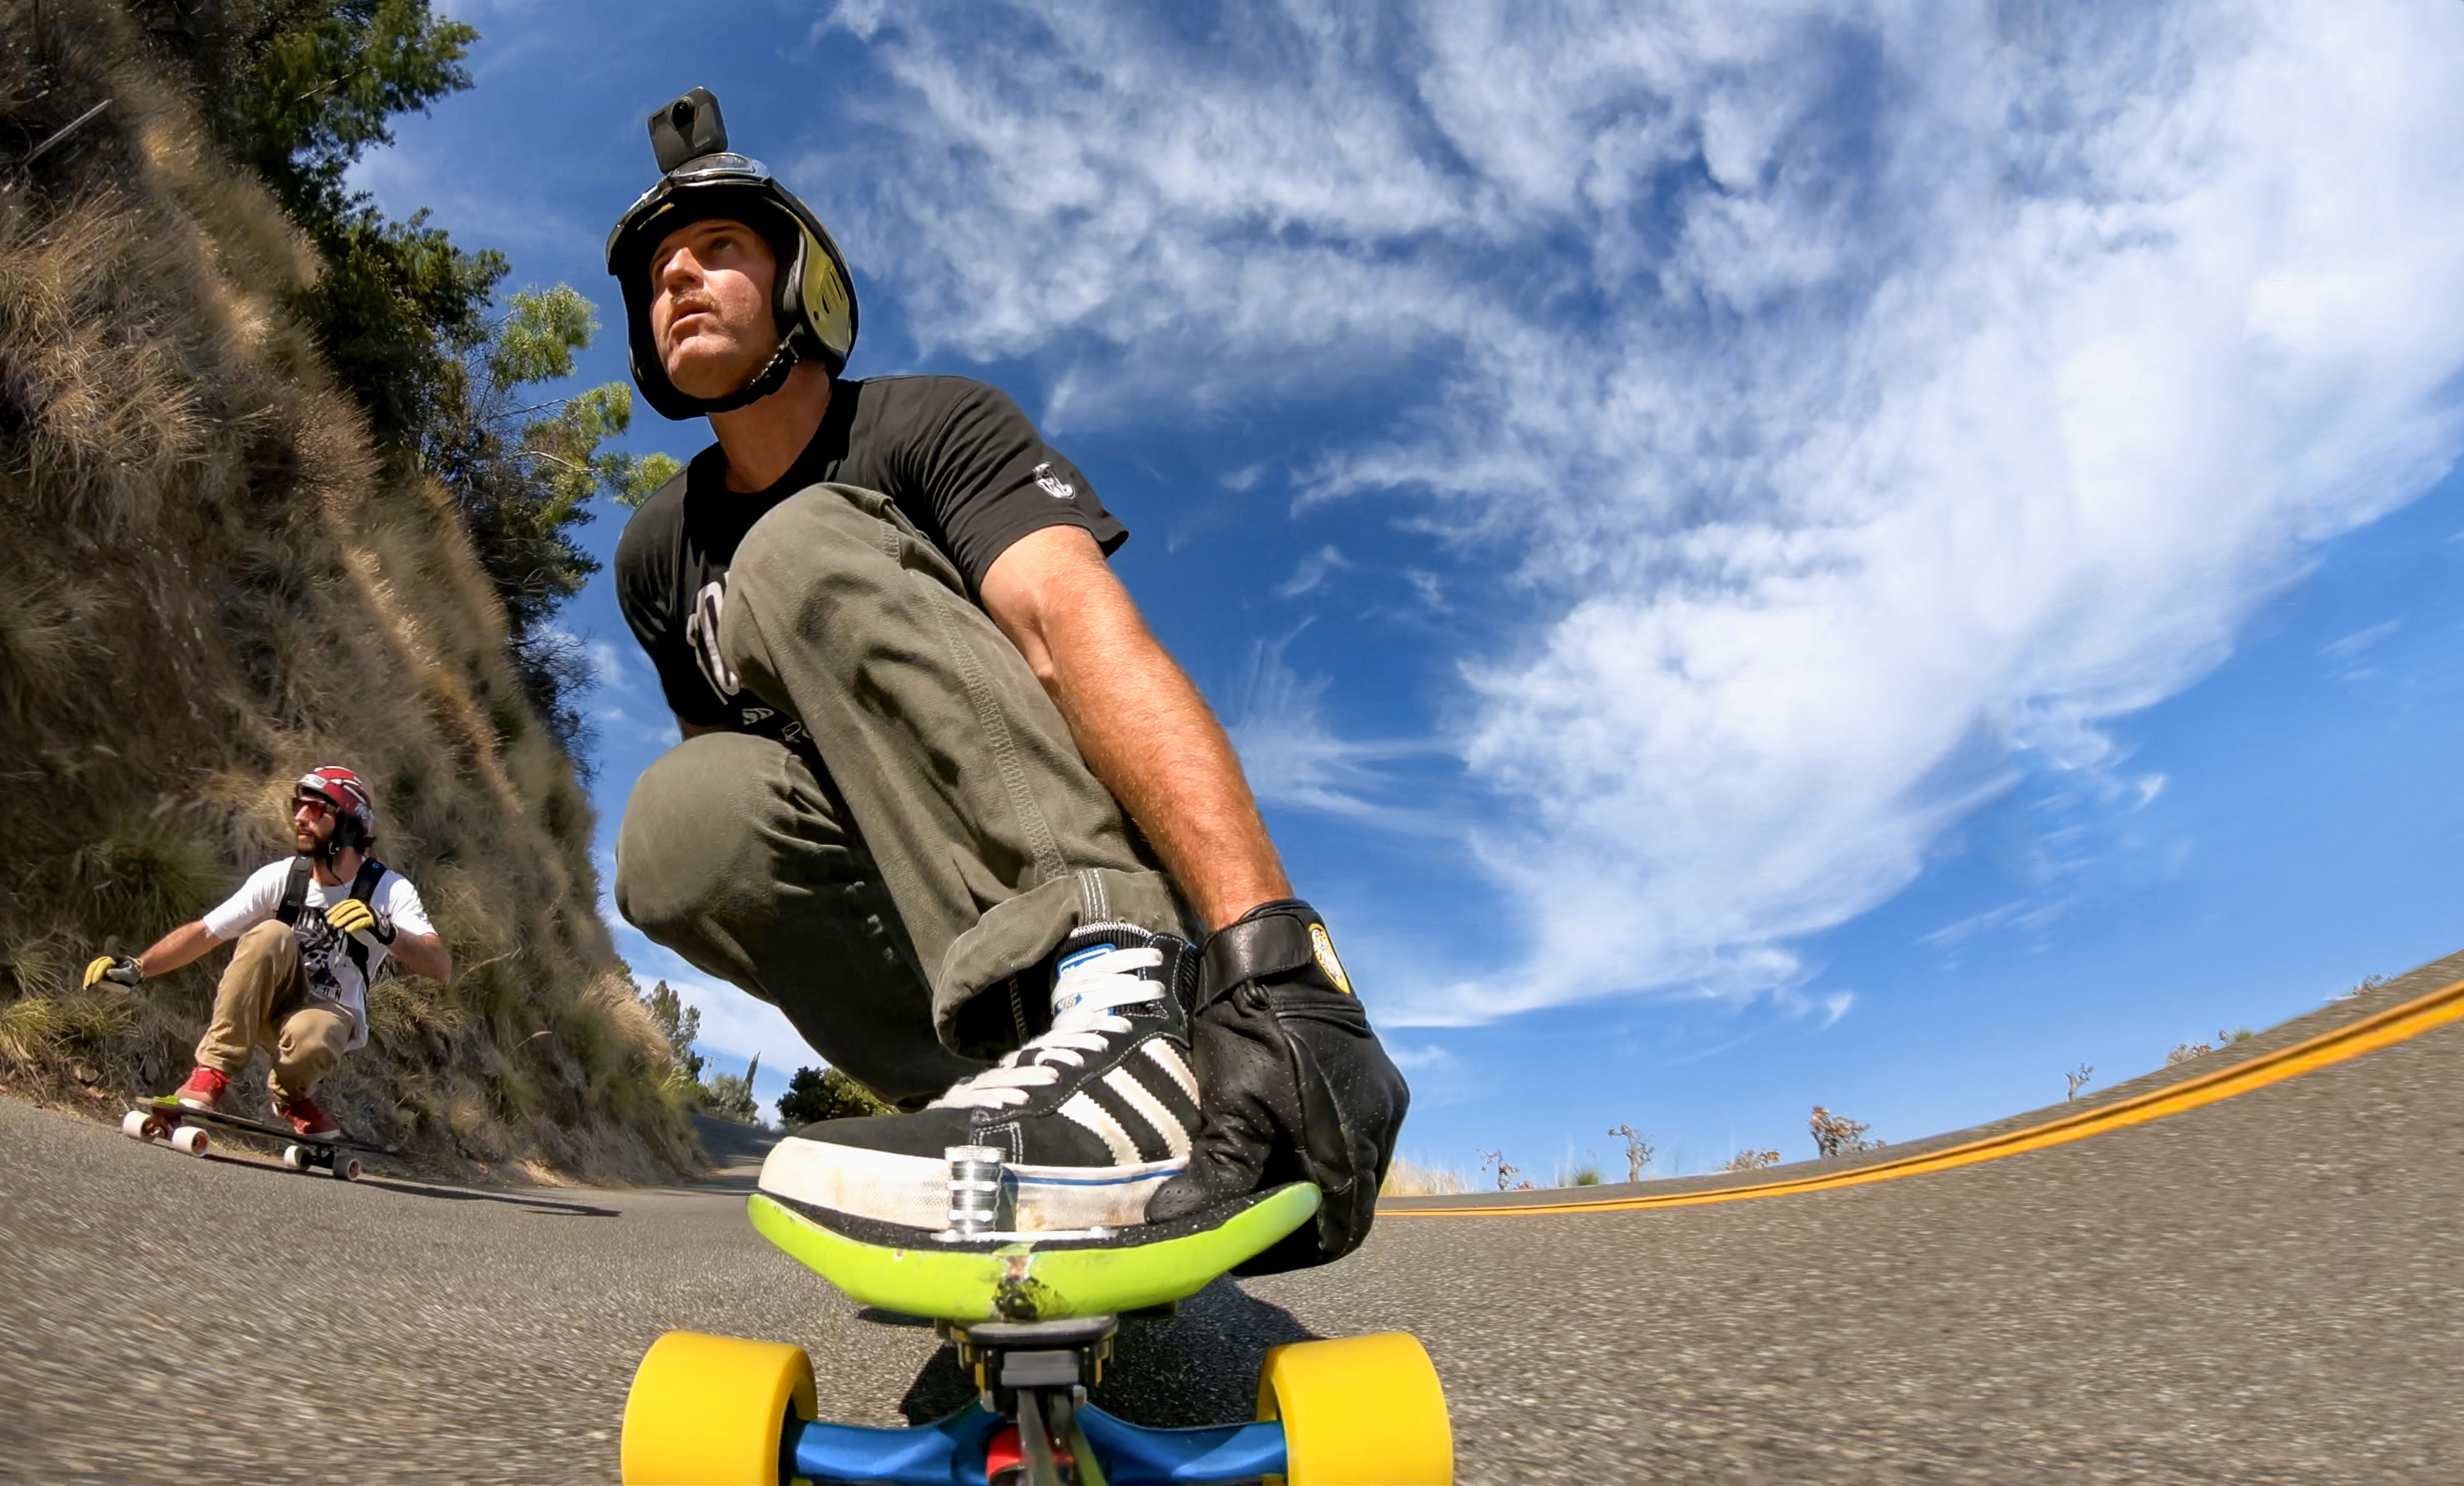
point(974, 1189)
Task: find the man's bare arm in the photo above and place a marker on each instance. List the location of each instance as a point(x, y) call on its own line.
point(1143, 728)
point(423, 955)
point(180, 947)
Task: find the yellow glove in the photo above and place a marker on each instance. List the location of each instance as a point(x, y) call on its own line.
point(351, 916)
point(125, 970)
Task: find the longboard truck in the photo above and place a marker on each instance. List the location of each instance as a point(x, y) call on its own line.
point(1033, 1316)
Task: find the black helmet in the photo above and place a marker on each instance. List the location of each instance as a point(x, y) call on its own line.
point(815, 300)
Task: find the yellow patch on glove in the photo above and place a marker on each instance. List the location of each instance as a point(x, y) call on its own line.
point(351, 916)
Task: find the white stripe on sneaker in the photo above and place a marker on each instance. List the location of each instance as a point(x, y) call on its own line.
point(1121, 1081)
point(1169, 1059)
point(1078, 1107)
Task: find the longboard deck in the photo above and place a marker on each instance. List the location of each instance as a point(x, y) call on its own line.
point(1024, 1277)
point(173, 1112)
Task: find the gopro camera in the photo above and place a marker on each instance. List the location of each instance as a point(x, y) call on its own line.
point(688, 129)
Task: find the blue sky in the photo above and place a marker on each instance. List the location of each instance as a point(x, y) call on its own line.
point(1756, 555)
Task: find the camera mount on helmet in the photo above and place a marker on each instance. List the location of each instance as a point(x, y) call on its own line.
point(814, 302)
point(688, 129)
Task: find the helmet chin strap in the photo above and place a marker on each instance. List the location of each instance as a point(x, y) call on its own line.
point(770, 379)
point(330, 852)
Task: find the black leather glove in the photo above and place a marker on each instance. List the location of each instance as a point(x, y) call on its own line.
point(120, 970)
point(351, 916)
point(1291, 1085)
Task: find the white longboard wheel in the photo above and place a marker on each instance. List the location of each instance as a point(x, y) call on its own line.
point(294, 1157)
point(133, 1125)
point(346, 1169)
point(190, 1139)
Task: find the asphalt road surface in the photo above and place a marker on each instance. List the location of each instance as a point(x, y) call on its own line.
point(2263, 1290)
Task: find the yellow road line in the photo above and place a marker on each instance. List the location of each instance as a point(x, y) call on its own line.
point(2378, 1030)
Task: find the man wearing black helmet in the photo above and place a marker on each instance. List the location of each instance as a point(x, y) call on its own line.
point(942, 798)
point(312, 931)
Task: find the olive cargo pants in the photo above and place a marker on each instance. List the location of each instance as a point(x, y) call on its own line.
point(948, 841)
point(262, 1001)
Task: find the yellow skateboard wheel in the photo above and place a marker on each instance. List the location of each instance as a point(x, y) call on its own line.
point(707, 1410)
point(1360, 1412)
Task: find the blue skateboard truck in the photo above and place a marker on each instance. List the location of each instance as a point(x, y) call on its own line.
point(1033, 1316)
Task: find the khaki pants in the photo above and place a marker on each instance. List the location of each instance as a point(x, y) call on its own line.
point(942, 836)
point(263, 1001)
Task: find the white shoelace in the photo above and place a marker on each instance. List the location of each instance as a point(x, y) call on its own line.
point(1082, 1023)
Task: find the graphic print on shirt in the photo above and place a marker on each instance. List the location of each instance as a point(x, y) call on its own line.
point(701, 635)
point(790, 729)
point(321, 946)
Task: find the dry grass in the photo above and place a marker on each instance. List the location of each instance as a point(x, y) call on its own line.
point(211, 583)
point(1410, 1178)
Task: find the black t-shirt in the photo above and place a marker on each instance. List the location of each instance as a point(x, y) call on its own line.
point(957, 456)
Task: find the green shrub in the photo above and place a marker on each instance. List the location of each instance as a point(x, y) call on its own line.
point(153, 878)
point(29, 1028)
point(817, 1094)
point(47, 634)
point(36, 967)
point(730, 1095)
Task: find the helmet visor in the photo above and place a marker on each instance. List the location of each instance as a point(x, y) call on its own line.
point(668, 205)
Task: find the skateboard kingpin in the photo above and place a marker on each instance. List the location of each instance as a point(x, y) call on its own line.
point(1033, 1315)
point(183, 1128)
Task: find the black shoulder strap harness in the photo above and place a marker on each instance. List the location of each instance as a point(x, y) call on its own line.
point(295, 898)
point(295, 890)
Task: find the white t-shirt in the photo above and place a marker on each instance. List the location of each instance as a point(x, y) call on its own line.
point(324, 951)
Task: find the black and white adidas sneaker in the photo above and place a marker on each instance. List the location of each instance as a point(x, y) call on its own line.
point(1091, 1116)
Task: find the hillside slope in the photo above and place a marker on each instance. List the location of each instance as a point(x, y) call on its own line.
point(211, 582)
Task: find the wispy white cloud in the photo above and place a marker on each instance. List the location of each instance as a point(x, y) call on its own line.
point(1292, 757)
point(1873, 402)
point(2360, 639)
point(1312, 571)
point(2025, 913)
point(616, 670)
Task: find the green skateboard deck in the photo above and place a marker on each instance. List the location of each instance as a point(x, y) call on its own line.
point(1021, 1278)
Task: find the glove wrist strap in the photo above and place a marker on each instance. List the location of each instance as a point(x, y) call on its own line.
point(1271, 939)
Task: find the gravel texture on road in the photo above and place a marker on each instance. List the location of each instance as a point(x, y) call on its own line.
point(2263, 1290)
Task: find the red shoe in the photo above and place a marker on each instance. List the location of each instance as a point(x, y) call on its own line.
point(311, 1121)
point(204, 1089)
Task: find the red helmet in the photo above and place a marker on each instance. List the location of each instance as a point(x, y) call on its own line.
point(339, 788)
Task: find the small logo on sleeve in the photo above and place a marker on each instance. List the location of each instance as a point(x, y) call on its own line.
point(1055, 484)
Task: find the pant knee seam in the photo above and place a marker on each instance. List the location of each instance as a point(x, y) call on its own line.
point(1004, 747)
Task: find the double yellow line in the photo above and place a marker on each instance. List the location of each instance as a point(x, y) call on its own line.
point(2368, 1034)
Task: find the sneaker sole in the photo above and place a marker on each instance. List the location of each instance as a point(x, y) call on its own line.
point(913, 1191)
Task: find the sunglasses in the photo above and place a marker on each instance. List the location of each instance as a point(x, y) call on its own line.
point(314, 806)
